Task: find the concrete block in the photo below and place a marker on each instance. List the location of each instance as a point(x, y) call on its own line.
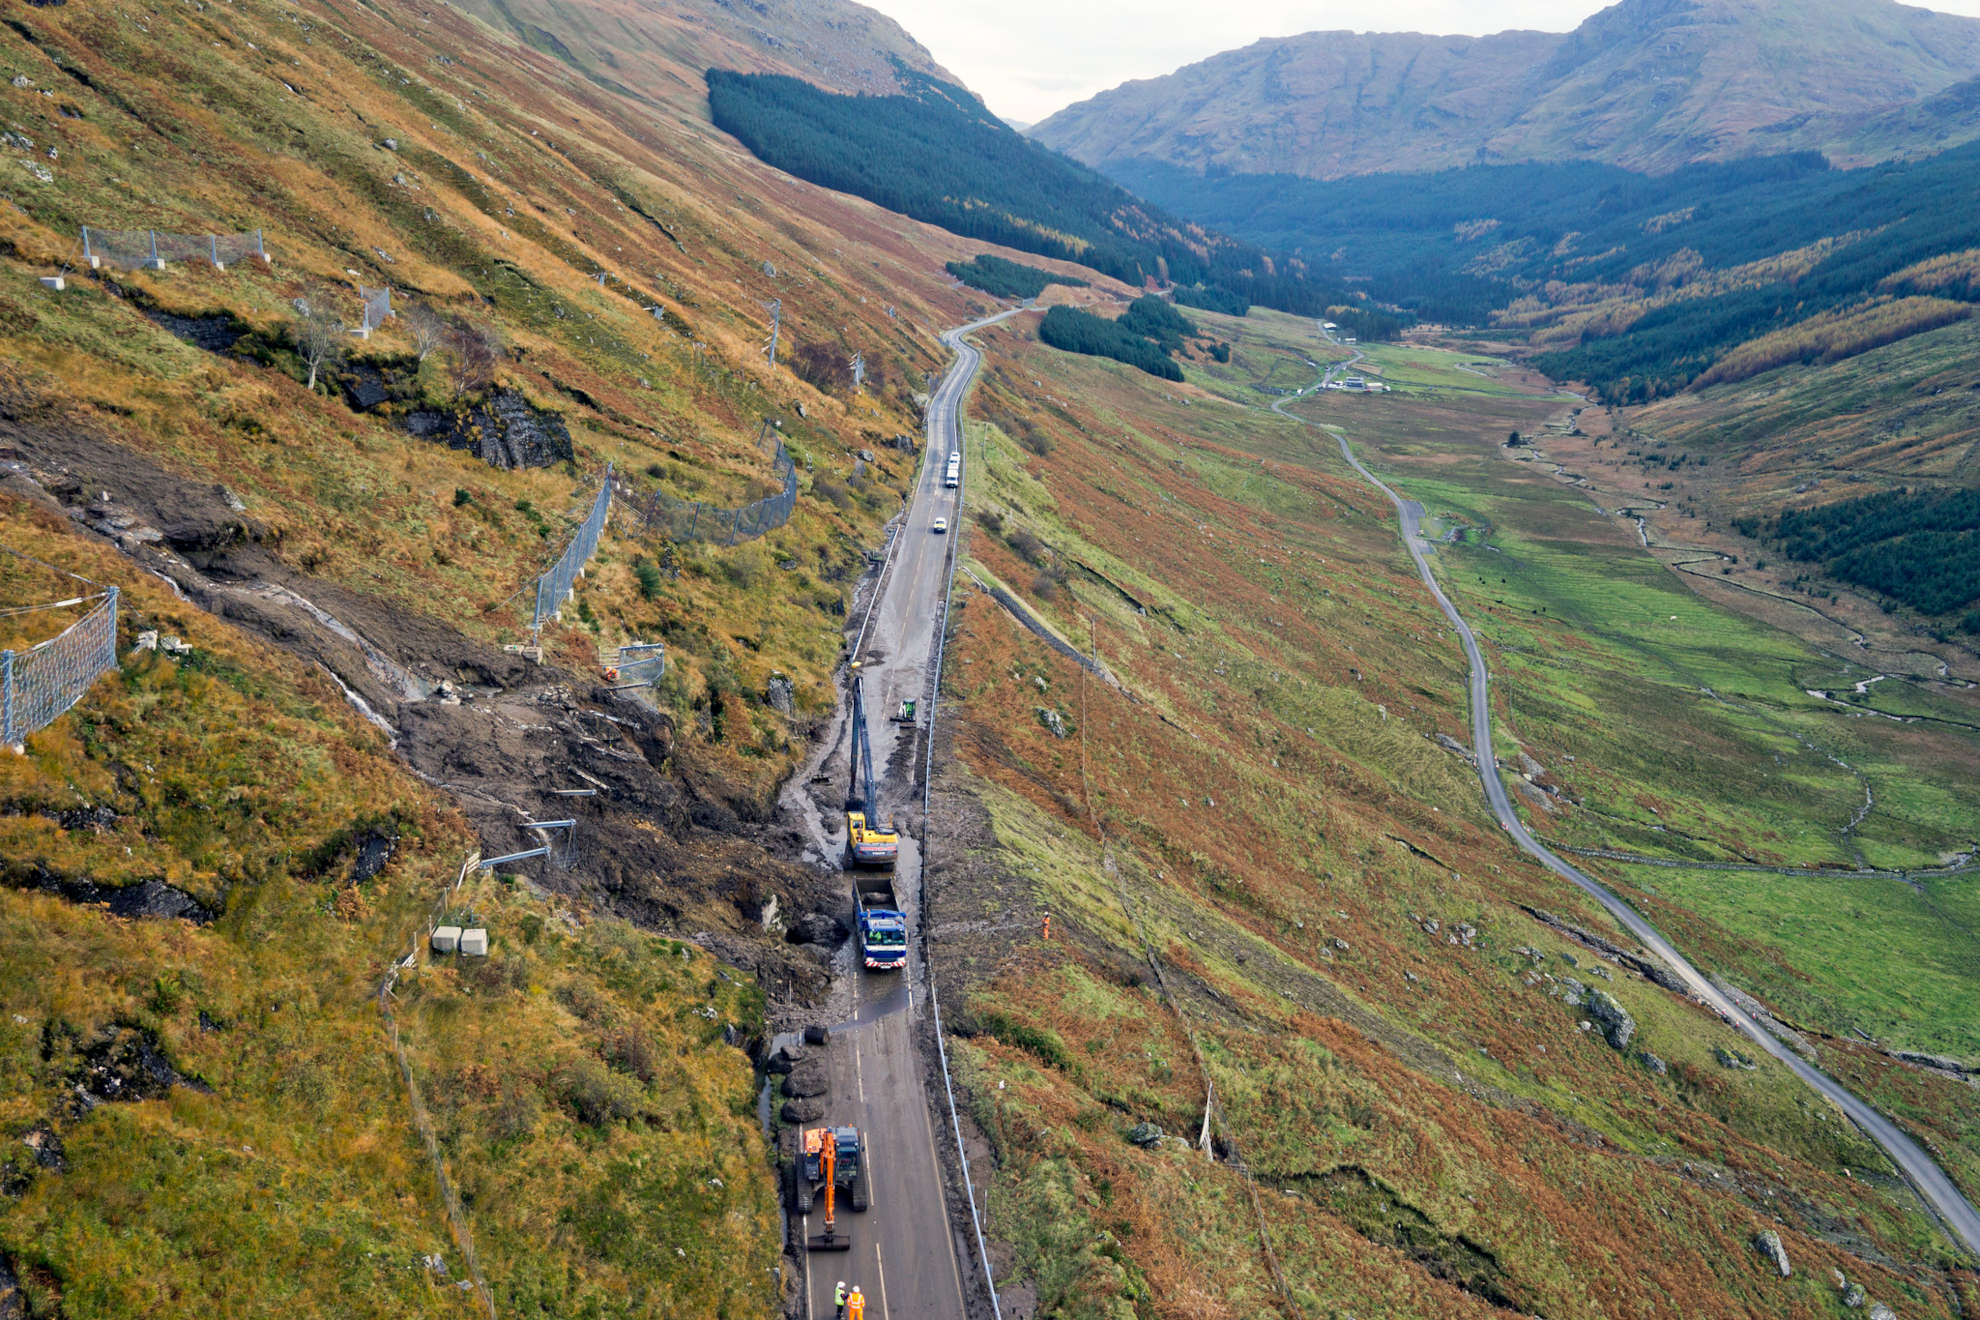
point(54, 282)
point(446, 939)
point(474, 943)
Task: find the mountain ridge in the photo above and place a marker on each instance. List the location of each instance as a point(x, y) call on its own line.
point(1648, 84)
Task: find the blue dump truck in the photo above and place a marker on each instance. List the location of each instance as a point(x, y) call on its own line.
point(882, 924)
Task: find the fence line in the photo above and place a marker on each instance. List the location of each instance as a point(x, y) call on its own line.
point(555, 586)
point(153, 248)
point(40, 684)
point(377, 306)
point(660, 514)
point(422, 1120)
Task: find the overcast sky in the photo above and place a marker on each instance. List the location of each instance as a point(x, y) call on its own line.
point(1027, 58)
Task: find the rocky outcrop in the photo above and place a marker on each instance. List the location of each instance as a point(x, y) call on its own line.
point(1768, 1243)
point(504, 430)
point(123, 1065)
point(1618, 1027)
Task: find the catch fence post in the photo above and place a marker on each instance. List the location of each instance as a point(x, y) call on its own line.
point(213, 250)
point(260, 250)
point(88, 255)
point(157, 262)
point(7, 701)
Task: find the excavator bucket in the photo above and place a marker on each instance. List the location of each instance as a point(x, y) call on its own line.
point(831, 1239)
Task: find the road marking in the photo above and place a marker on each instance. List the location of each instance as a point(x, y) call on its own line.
point(880, 1269)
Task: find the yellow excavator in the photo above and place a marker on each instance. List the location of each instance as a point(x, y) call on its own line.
point(870, 841)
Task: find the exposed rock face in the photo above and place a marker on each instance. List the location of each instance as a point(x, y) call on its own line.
point(1878, 1311)
point(503, 431)
point(124, 1065)
point(1146, 1135)
point(1653, 1063)
point(779, 694)
point(1768, 1243)
point(374, 849)
point(1618, 1027)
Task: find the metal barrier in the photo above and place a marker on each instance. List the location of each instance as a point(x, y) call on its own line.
point(377, 306)
point(40, 684)
point(138, 248)
point(641, 664)
point(662, 515)
point(555, 586)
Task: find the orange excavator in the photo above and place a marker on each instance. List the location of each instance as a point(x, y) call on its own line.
point(818, 1161)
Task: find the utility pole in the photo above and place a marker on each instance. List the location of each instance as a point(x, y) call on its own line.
point(776, 306)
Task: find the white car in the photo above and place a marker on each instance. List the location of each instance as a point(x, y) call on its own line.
point(941, 525)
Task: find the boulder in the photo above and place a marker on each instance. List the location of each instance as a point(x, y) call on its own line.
point(1878, 1311)
point(1768, 1243)
point(781, 1061)
point(1732, 1059)
point(803, 1111)
point(817, 928)
point(779, 694)
point(1653, 1063)
point(1853, 1297)
point(807, 1078)
point(1618, 1027)
point(1053, 721)
point(1145, 1135)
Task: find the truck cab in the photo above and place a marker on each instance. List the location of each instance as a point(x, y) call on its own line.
point(883, 939)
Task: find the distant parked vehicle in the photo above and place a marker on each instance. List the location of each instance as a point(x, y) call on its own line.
point(941, 524)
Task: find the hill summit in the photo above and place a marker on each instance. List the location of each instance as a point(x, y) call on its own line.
point(1647, 84)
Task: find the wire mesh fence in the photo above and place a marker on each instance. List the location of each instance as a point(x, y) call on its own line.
point(640, 664)
point(555, 586)
point(377, 306)
point(40, 684)
point(661, 515)
point(135, 248)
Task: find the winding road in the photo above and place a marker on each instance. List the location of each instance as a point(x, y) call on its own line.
point(1954, 1210)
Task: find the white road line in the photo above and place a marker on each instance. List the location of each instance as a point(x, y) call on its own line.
point(880, 1270)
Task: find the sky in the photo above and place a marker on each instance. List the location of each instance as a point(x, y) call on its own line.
point(1028, 58)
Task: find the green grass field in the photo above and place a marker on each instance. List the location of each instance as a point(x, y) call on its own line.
point(1672, 727)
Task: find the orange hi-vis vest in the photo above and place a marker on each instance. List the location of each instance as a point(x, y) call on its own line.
point(856, 1306)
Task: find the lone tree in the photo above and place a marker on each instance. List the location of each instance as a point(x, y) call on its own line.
point(427, 328)
point(476, 350)
point(320, 334)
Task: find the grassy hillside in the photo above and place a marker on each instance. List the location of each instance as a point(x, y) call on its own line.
point(1265, 873)
point(347, 586)
point(206, 1115)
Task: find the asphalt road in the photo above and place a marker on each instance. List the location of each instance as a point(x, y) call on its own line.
point(1954, 1210)
point(905, 1256)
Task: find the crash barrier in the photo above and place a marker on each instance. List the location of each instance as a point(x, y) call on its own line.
point(664, 516)
point(152, 248)
point(422, 1120)
point(38, 685)
point(377, 306)
point(555, 586)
